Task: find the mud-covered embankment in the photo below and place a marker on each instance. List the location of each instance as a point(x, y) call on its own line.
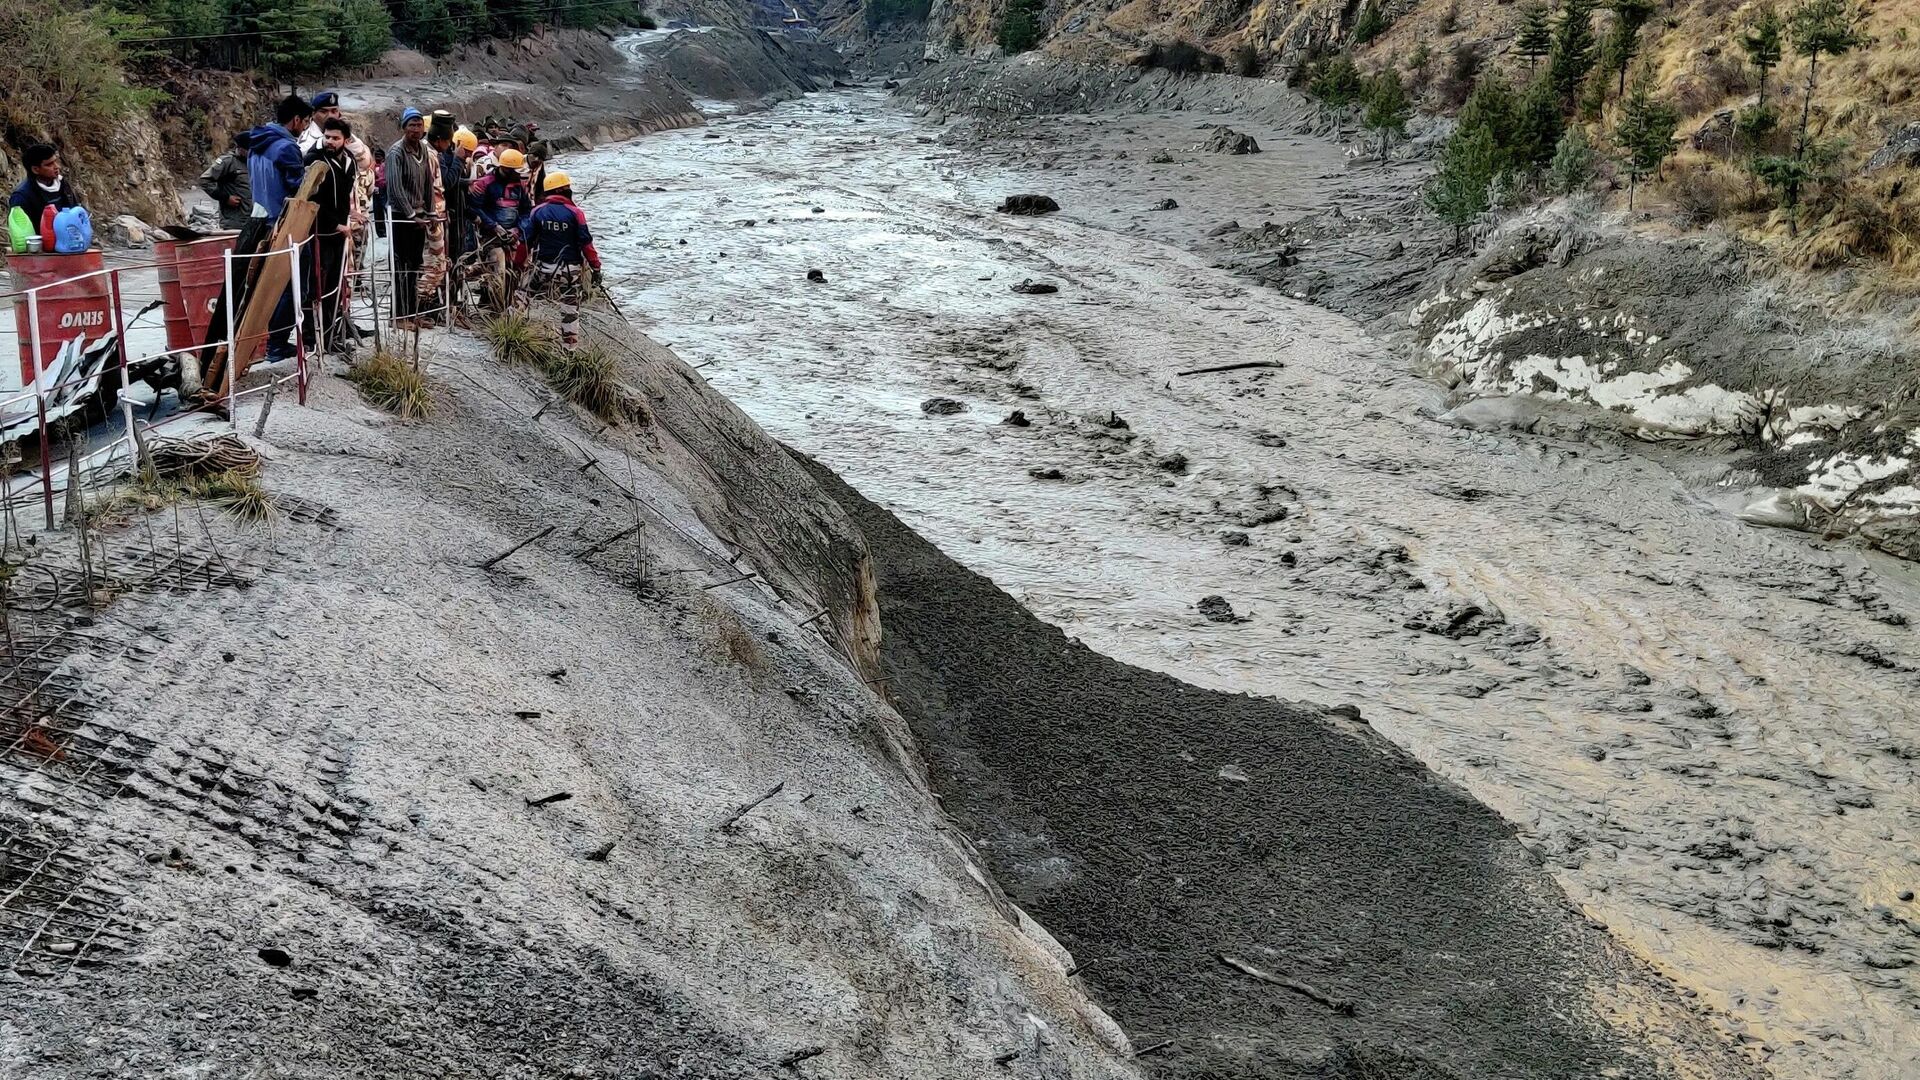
point(369, 794)
point(1256, 887)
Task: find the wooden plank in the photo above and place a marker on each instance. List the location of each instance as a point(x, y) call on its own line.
point(268, 279)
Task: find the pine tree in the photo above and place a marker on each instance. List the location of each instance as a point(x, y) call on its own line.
point(1020, 28)
point(366, 30)
point(1644, 132)
point(1458, 192)
point(1490, 108)
point(1537, 125)
point(1535, 39)
point(1573, 160)
point(1371, 24)
point(1572, 54)
point(1816, 28)
point(304, 35)
point(1337, 82)
point(1387, 108)
point(1623, 37)
point(1762, 43)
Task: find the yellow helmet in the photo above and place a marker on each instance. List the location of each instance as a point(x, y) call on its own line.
point(465, 140)
point(512, 159)
point(556, 180)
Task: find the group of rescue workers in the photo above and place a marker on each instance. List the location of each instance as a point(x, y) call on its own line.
point(467, 219)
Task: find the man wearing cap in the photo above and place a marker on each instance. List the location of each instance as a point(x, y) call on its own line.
point(413, 172)
point(565, 263)
point(326, 106)
point(227, 184)
point(453, 153)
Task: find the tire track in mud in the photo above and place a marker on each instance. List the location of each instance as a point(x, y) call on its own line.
point(1705, 731)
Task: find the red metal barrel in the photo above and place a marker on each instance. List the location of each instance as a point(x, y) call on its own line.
point(173, 310)
point(202, 270)
point(66, 308)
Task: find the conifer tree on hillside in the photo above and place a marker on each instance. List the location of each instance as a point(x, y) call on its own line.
point(1535, 39)
point(1490, 108)
point(1644, 132)
point(1815, 28)
point(1572, 55)
point(1388, 108)
point(1459, 190)
point(1823, 28)
point(1762, 44)
point(1623, 37)
point(1537, 125)
point(1371, 24)
point(1572, 165)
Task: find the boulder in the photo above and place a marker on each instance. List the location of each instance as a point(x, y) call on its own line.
point(1215, 608)
point(129, 231)
point(1225, 140)
point(1035, 288)
point(1902, 148)
point(942, 406)
point(1017, 418)
point(1165, 204)
point(1028, 205)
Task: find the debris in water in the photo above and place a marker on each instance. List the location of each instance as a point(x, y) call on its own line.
point(734, 818)
point(276, 957)
point(1234, 773)
point(1035, 288)
point(1017, 418)
point(1028, 205)
point(558, 796)
point(600, 853)
point(942, 406)
point(1165, 204)
point(801, 1055)
point(1216, 609)
point(817, 276)
point(1050, 472)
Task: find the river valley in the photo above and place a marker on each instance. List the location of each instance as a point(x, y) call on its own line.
point(1704, 730)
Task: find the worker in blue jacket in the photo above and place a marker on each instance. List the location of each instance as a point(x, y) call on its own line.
point(275, 166)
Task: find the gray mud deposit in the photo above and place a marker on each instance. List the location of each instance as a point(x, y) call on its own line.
point(1703, 730)
point(1173, 837)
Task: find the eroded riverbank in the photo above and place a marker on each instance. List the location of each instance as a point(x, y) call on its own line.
point(1703, 729)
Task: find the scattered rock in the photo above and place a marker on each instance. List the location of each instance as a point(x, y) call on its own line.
point(1160, 157)
point(890, 84)
point(818, 277)
point(1173, 463)
point(305, 993)
point(1165, 204)
point(1225, 228)
point(1225, 140)
point(276, 957)
point(1901, 148)
point(1234, 773)
point(1050, 472)
point(1216, 609)
point(942, 406)
point(131, 231)
point(1035, 288)
point(819, 209)
point(1235, 538)
point(1114, 421)
point(1028, 205)
point(1017, 418)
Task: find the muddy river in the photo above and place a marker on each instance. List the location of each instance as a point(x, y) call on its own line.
point(1707, 731)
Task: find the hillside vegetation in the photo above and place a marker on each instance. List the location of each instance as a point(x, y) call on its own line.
point(1658, 106)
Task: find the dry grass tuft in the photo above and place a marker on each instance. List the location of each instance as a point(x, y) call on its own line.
point(587, 377)
point(518, 339)
point(391, 383)
point(239, 496)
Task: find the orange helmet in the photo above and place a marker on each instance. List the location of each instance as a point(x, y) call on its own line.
point(555, 181)
point(512, 159)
